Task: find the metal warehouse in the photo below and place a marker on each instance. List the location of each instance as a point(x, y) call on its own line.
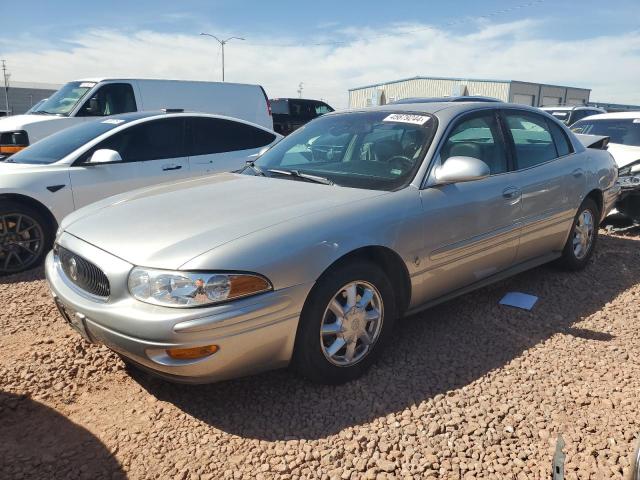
point(23, 95)
point(525, 93)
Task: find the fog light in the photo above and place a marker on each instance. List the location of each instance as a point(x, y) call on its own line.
point(192, 353)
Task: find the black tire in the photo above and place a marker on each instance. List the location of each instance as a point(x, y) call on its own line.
point(308, 358)
point(569, 260)
point(14, 247)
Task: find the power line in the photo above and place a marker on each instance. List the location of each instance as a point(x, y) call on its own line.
point(492, 14)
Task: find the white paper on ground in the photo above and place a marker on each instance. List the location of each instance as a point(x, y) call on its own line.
point(519, 300)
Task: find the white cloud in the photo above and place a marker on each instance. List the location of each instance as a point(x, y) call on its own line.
point(610, 65)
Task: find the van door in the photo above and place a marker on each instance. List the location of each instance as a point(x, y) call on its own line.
point(152, 152)
point(220, 145)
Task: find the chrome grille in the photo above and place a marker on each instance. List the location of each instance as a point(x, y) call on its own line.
point(83, 273)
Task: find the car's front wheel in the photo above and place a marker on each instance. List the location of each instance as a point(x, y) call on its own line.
point(582, 238)
point(345, 323)
point(25, 237)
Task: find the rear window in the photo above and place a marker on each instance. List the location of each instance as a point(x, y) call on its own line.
point(215, 135)
point(625, 131)
point(280, 107)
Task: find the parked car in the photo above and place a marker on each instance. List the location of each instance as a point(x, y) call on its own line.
point(623, 131)
point(311, 255)
point(570, 114)
point(94, 160)
point(289, 114)
point(459, 98)
point(84, 100)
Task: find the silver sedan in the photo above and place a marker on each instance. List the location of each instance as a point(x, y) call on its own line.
point(310, 254)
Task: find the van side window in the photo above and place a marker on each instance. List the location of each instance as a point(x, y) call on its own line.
point(215, 135)
point(110, 99)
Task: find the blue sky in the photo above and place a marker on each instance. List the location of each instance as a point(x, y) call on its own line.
point(331, 45)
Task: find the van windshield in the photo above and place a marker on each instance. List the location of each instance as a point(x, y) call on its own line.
point(65, 99)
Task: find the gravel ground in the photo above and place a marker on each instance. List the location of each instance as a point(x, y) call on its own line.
point(469, 389)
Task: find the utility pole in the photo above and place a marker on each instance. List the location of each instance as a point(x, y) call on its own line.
point(6, 76)
point(222, 44)
point(300, 87)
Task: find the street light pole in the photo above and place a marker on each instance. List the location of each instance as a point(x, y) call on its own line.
point(222, 44)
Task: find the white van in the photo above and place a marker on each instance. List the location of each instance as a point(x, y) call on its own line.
point(83, 100)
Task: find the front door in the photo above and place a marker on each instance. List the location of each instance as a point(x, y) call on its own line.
point(471, 228)
point(152, 152)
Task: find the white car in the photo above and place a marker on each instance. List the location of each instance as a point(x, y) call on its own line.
point(570, 114)
point(623, 130)
point(84, 100)
point(82, 164)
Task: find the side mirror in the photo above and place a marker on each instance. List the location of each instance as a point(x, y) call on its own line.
point(461, 169)
point(94, 107)
point(104, 156)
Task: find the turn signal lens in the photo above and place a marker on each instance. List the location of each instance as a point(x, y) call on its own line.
point(11, 149)
point(192, 353)
point(243, 285)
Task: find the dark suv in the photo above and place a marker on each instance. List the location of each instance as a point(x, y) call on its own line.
point(290, 114)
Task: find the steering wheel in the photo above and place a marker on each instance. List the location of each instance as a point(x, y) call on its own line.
point(401, 162)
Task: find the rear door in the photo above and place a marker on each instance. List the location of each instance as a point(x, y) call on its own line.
point(551, 177)
point(152, 152)
point(472, 228)
point(222, 145)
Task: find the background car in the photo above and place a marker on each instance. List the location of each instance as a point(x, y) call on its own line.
point(459, 98)
point(411, 206)
point(84, 100)
point(623, 130)
point(91, 161)
point(571, 114)
point(289, 114)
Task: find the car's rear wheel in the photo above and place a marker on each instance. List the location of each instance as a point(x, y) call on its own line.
point(582, 238)
point(25, 237)
point(345, 323)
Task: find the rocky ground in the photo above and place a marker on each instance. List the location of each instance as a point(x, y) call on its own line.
point(469, 389)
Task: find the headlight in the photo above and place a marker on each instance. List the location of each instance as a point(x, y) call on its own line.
point(193, 289)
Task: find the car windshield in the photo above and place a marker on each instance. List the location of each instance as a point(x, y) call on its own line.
point(625, 131)
point(65, 99)
point(372, 150)
point(57, 146)
point(562, 115)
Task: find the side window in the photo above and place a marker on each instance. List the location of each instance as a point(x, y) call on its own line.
point(322, 108)
point(110, 99)
point(215, 135)
point(477, 136)
point(560, 139)
point(153, 140)
point(531, 137)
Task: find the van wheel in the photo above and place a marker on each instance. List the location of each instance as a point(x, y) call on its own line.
point(25, 237)
point(345, 323)
point(582, 238)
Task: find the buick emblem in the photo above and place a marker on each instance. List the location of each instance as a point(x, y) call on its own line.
point(73, 269)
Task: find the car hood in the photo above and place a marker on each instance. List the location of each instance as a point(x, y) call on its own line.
point(167, 225)
point(624, 154)
point(18, 122)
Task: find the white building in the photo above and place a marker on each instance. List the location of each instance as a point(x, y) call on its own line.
point(525, 93)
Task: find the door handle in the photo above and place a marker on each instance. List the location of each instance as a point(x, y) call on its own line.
point(166, 168)
point(511, 193)
point(578, 172)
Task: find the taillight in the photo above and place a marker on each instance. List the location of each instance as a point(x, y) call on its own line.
point(13, 142)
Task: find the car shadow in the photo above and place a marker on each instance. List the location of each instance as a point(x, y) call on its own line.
point(37, 442)
point(441, 349)
point(26, 276)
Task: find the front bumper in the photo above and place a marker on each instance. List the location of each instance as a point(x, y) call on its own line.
point(253, 334)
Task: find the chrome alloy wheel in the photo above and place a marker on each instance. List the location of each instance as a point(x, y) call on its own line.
point(351, 323)
point(21, 242)
point(583, 234)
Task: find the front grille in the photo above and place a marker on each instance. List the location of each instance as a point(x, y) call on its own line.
point(83, 273)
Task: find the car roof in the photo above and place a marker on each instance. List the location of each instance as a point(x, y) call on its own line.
point(571, 107)
point(618, 115)
point(461, 98)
